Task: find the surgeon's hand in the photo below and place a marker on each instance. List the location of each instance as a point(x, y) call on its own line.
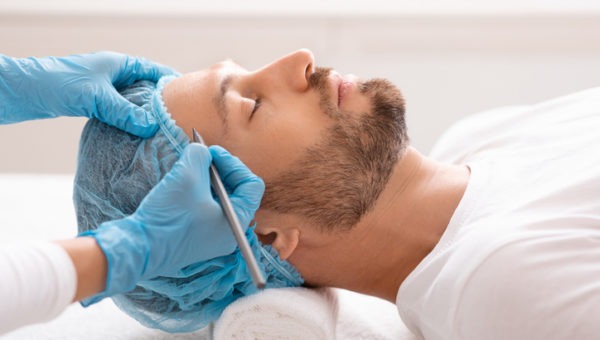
point(77, 85)
point(179, 222)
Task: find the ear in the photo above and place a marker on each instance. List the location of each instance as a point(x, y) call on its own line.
point(284, 241)
point(280, 231)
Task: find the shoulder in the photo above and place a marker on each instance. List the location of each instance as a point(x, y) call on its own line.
point(532, 287)
point(466, 136)
point(502, 127)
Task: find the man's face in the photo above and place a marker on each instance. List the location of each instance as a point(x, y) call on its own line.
point(268, 117)
point(324, 144)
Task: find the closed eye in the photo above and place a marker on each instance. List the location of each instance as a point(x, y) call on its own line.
point(257, 103)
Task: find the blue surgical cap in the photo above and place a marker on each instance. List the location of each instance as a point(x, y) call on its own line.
point(115, 171)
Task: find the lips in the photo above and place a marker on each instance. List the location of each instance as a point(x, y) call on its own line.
point(343, 90)
point(342, 86)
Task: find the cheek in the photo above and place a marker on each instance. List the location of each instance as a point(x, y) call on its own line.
point(272, 144)
point(264, 156)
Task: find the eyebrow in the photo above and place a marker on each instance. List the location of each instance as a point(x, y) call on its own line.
point(219, 98)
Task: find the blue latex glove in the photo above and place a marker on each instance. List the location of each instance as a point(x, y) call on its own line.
point(179, 222)
point(78, 85)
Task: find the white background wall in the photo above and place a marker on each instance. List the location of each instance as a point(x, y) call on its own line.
point(449, 58)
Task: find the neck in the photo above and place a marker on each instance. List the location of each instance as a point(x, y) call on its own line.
point(405, 224)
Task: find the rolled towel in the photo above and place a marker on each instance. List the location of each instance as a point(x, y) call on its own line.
point(367, 317)
point(284, 313)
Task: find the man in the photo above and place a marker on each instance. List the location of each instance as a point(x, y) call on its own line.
point(500, 242)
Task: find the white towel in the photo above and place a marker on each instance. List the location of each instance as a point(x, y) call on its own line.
point(369, 318)
point(286, 313)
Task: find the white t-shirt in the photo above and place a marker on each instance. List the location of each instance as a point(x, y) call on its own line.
point(520, 258)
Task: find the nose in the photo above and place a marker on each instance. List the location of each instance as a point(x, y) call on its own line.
point(293, 69)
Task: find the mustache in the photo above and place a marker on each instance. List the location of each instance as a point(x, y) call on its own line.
point(385, 98)
point(318, 81)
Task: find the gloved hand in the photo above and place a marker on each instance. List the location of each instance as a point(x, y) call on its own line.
point(179, 222)
point(78, 85)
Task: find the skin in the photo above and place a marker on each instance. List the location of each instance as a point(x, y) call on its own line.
point(408, 218)
point(90, 265)
point(288, 121)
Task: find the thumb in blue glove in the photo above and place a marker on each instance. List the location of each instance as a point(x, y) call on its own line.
point(179, 222)
point(78, 85)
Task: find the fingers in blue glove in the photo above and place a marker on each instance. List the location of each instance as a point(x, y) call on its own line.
point(137, 68)
point(130, 117)
point(247, 188)
point(191, 172)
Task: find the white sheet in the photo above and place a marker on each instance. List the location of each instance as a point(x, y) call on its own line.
point(40, 207)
